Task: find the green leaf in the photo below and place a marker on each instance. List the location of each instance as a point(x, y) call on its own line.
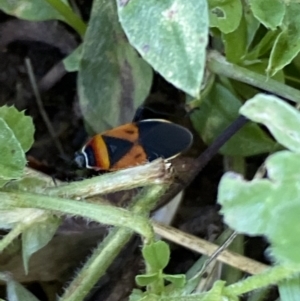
point(289, 289)
point(282, 120)
point(157, 255)
point(113, 80)
point(171, 36)
point(225, 15)
point(178, 280)
point(287, 44)
point(282, 166)
point(264, 45)
point(243, 203)
point(21, 125)
point(17, 292)
point(12, 159)
point(267, 207)
point(71, 62)
point(136, 295)
point(236, 42)
point(37, 236)
point(283, 232)
point(37, 10)
point(269, 12)
point(252, 23)
point(284, 235)
point(148, 297)
point(218, 111)
point(144, 280)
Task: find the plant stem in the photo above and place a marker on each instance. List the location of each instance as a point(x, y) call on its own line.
point(69, 16)
point(207, 248)
point(269, 277)
point(143, 175)
point(107, 250)
point(97, 264)
point(101, 213)
point(218, 64)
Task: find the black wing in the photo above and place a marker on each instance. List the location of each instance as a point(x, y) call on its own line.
point(164, 139)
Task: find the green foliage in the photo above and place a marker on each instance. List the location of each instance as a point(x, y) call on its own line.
point(136, 295)
point(263, 46)
point(225, 15)
point(25, 213)
point(17, 292)
point(38, 228)
point(71, 62)
point(172, 38)
point(16, 138)
point(37, 234)
point(287, 45)
point(112, 81)
point(37, 10)
point(282, 120)
point(12, 159)
point(144, 280)
point(177, 280)
point(218, 110)
point(256, 37)
point(270, 206)
point(234, 52)
point(215, 293)
point(157, 255)
point(269, 12)
point(21, 125)
point(289, 289)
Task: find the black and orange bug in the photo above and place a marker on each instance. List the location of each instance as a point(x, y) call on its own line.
point(134, 144)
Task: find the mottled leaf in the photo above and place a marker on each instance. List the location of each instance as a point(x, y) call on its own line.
point(113, 80)
point(171, 35)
